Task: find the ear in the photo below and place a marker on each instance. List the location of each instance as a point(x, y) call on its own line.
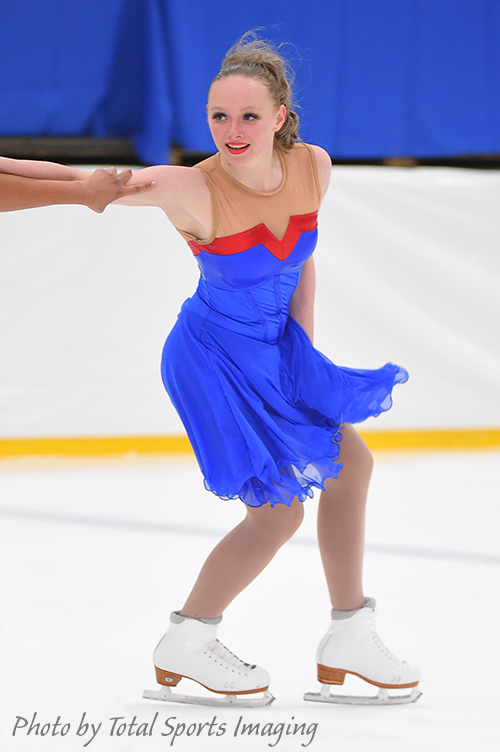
point(280, 118)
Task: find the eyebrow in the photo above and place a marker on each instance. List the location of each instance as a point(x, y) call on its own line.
point(246, 107)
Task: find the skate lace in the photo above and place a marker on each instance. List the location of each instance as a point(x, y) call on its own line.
point(224, 654)
point(384, 649)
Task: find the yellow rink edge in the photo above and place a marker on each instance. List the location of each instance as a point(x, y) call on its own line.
point(459, 439)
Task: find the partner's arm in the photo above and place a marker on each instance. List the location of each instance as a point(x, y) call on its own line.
point(93, 189)
point(34, 168)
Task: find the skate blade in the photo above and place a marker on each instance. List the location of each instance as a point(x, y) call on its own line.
point(165, 694)
point(382, 698)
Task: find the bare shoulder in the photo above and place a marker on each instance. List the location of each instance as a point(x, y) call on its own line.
point(324, 164)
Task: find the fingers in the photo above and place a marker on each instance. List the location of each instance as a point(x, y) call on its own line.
point(142, 187)
point(124, 176)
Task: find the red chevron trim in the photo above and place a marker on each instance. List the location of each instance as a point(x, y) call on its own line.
point(261, 235)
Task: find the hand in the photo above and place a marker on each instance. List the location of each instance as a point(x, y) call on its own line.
point(101, 187)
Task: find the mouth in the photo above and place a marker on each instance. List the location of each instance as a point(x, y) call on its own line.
point(234, 148)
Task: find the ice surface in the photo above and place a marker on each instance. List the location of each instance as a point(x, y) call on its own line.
point(96, 554)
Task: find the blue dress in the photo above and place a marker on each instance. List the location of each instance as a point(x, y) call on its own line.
point(263, 409)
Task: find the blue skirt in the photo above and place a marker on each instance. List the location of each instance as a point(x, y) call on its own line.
point(264, 419)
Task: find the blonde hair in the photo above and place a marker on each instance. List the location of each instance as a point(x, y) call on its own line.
point(258, 58)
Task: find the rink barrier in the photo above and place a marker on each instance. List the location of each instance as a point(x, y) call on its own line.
point(460, 439)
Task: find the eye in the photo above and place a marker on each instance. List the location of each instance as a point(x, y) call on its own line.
point(218, 116)
point(250, 116)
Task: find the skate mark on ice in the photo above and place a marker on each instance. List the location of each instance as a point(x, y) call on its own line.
point(162, 528)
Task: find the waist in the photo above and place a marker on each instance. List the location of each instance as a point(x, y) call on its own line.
point(241, 312)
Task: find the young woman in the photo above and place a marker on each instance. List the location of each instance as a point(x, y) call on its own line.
point(268, 416)
point(25, 184)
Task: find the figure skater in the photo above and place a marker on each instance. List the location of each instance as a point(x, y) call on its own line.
point(268, 416)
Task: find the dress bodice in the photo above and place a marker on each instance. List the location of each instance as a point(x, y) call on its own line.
point(251, 264)
point(247, 284)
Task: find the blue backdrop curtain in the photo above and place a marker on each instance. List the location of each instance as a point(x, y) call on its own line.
point(373, 79)
point(86, 68)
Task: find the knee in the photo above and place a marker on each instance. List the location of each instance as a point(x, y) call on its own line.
point(293, 517)
point(278, 523)
point(289, 521)
point(355, 453)
point(366, 459)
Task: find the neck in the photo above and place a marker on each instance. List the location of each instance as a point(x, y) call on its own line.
point(265, 176)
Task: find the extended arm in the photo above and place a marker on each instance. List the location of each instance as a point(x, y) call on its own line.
point(181, 192)
point(34, 168)
point(25, 184)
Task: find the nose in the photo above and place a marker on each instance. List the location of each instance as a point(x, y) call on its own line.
point(234, 129)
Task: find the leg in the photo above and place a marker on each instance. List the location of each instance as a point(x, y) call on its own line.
point(341, 523)
point(351, 645)
point(190, 647)
point(241, 556)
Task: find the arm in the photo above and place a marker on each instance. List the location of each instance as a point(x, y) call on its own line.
point(302, 302)
point(181, 192)
point(33, 168)
point(93, 189)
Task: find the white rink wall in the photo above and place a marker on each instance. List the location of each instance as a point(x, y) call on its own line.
point(408, 268)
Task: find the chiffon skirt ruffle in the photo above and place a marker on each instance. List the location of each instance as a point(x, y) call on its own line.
point(264, 419)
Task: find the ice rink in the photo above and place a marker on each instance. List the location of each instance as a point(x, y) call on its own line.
point(95, 554)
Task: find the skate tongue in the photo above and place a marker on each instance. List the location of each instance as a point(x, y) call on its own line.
point(225, 654)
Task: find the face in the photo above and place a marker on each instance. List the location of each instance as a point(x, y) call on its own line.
point(243, 119)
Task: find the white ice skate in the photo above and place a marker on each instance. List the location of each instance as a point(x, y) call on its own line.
point(352, 646)
point(190, 649)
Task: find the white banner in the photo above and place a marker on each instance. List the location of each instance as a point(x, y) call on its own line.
point(408, 269)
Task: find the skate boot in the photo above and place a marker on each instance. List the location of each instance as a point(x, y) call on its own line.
point(352, 646)
point(190, 649)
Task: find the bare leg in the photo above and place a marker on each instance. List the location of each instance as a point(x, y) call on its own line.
point(341, 523)
point(241, 556)
point(247, 550)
